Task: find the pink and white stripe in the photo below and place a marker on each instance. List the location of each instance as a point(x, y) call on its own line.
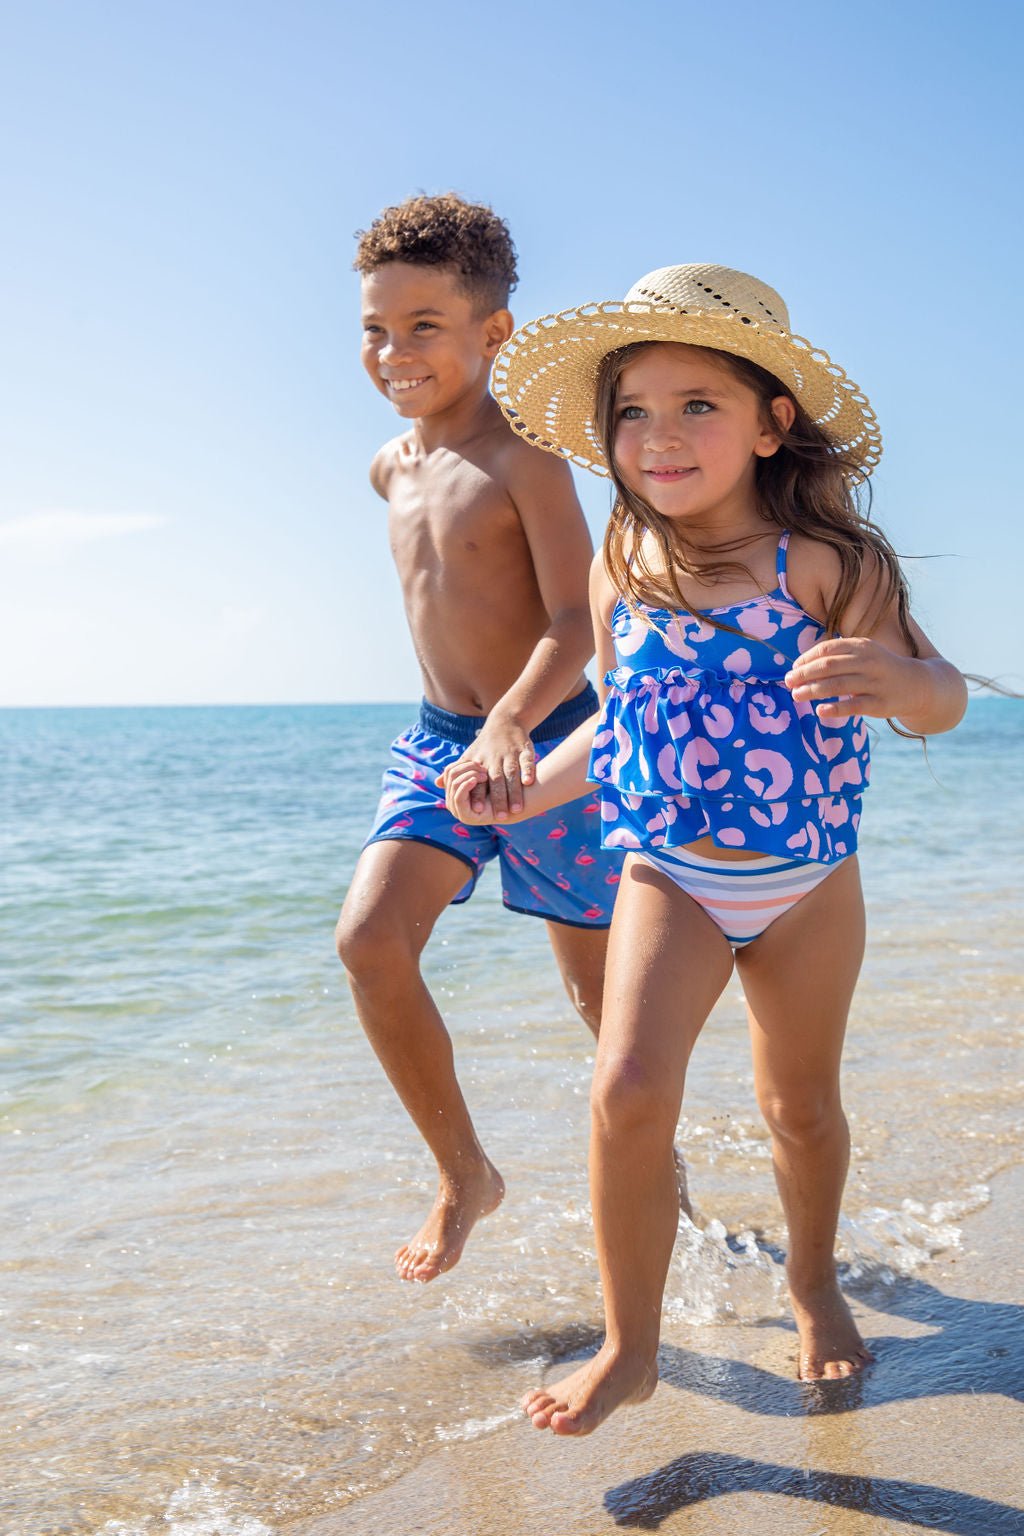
point(744, 897)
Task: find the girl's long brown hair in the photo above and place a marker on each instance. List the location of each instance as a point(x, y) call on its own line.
point(808, 486)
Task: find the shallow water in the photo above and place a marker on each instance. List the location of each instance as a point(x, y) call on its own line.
point(204, 1172)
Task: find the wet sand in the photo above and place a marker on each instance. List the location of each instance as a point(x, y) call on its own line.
point(206, 1175)
point(930, 1439)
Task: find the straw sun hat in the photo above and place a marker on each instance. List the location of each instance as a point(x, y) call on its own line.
point(545, 375)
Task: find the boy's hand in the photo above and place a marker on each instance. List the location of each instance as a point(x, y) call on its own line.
point(505, 752)
point(860, 677)
point(463, 782)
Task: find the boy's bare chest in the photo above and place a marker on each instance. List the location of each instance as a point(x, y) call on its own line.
point(450, 519)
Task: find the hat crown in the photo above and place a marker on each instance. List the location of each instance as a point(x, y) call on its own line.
point(702, 289)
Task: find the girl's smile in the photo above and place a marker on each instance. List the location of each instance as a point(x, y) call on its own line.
point(668, 473)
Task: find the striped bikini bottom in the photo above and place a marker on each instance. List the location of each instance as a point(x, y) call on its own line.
point(742, 898)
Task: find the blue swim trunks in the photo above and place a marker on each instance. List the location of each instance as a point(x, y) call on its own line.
point(552, 866)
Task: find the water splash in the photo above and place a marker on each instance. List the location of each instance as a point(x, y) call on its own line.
point(475, 1429)
point(195, 1509)
point(715, 1277)
point(886, 1245)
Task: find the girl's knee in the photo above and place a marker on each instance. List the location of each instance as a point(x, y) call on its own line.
point(803, 1117)
point(627, 1098)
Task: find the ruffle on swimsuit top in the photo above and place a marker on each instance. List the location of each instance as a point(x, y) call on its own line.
point(687, 751)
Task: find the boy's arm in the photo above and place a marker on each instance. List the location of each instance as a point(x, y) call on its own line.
point(870, 670)
point(552, 519)
point(561, 775)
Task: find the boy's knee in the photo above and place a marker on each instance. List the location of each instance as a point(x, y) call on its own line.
point(587, 1002)
point(345, 941)
point(368, 945)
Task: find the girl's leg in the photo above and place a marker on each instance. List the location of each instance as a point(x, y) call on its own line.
point(799, 978)
point(667, 965)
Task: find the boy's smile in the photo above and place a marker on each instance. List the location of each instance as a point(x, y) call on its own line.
point(399, 386)
point(426, 344)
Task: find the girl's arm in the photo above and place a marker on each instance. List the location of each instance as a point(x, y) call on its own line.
point(561, 775)
point(875, 674)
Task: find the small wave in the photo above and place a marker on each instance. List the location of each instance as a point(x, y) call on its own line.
point(886, 1245)
point(195, 1509)
point(717, 1276)
point(475, 1429)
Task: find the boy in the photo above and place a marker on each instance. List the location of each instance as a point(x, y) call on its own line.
point(493, 555)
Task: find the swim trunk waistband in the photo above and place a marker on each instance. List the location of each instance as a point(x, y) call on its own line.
point(465, 728)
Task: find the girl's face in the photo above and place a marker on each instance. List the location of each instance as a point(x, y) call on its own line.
point(688, 434)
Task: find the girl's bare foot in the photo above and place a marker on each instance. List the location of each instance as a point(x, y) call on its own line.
point(577, 1405)
point(458, 1207)
point(830, 1344)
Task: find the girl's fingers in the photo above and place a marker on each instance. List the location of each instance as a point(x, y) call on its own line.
point(870, 704)
point(477, 800)
point(845, 687)
point(842, 709)
point(460, 773)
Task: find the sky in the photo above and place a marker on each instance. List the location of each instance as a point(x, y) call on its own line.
point(185, 428)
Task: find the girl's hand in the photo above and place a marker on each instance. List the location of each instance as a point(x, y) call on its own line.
point(466, 793)
point(859, 677)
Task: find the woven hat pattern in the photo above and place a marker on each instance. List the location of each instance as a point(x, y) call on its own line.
point(545, 376)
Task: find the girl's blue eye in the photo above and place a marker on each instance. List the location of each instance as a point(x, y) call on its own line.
point(630, 413)
point(698, 407)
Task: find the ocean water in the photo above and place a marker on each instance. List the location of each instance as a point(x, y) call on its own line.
point(204, 1173)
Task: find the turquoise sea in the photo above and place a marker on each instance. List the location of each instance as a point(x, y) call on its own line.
point(204, 1174)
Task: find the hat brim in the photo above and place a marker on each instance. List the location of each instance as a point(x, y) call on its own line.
point(545, 376)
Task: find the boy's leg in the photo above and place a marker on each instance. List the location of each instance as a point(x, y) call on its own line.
point(667, 965)
point(799, 978)
point(397, 894)
point(580, 954)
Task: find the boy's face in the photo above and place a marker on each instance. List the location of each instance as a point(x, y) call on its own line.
point(425, 344)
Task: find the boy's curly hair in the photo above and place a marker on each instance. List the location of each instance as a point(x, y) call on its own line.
point(445, 231)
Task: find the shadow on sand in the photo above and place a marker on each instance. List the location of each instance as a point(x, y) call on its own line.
point(645, 1502)
point(972, 1347)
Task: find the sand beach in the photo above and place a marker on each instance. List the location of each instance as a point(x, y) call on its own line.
point(931, 1439)
point(204, 1176)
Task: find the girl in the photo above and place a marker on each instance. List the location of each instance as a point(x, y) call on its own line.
point(749, 616)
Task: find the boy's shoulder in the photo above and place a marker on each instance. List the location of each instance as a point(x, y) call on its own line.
point(518, 463)
point(383, 463)
point(508, 459)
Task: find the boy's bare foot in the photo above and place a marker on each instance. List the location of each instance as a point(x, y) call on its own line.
point(438, 1244)
point(577, 1405)
point(830, 1344)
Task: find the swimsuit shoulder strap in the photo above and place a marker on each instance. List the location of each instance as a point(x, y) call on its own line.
point(780, 565)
